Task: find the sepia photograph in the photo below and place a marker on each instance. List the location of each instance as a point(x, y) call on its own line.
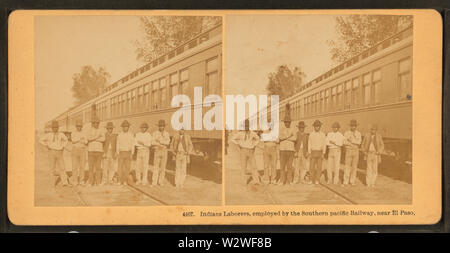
point(224, 117)
point(104, 88)
point(343, 109)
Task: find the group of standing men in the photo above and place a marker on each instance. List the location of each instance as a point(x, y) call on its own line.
point(294, 148)
point(110, 154)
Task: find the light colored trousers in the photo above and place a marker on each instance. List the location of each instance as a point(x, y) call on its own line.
point(78, 164)
point(247, 159)
point(159, 166)
point(300, 167)
point(372, 169)
point(109, 168)
point(56, 162)
point(270, 162)
point(142, 157)
point(180, 169)
point(334, 163)
point(351, 164)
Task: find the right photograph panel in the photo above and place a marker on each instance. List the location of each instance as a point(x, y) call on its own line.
point(318, 109)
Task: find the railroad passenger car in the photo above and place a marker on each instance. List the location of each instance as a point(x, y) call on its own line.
point(146, 93)
point(375, 86)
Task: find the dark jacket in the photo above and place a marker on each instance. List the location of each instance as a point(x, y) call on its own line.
point(378, 144)
point(301, 138)
point(110, 139)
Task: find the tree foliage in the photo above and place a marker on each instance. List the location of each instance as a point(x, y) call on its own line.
point(357, 33)
point(284, 81)
point(89, 83)
point(164, 33)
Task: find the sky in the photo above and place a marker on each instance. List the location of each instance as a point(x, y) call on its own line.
point(63, 44)
point(257, 44)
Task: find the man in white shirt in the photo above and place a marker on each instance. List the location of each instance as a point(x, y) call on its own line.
point(125, 148)
point(95, 139)
point(373, 147)
point(334, 141)
point(316, 150)
point(287, 138)
point(181, 147)
point(143, 142)
point(247, 141)
point(79, 142)
point(161, 141)
point(55, 143)
point(352, 141)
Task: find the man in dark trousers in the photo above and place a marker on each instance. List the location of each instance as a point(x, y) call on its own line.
point(109, 155)
point(301, 150)
point(316, 149)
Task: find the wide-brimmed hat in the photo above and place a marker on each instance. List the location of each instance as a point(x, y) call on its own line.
point(95, 120)
point(55, 124)
point(317, 123)
point(353, 122)
point(373, 127)
point(109, 125)
point(79, 123)
point(125, 123)
point(336, 125)
point(161, 123)
point(301, 124)
point(144, 125)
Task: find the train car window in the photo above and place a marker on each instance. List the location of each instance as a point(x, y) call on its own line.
point(140, 99)
point(133, 100)
point(376, 82)
point(145, 101)
point(128, 105)
point(348, 96)
point(339, 96)
point(155, 87)
point(171, 54)
point(163, 88)
point(327, 100)
point(333, 99)
point(184, 80)
point(321, 106)
point(212, 77)
point(173, 84)
point(355, 92)
point(404, 79)
point(367, 88)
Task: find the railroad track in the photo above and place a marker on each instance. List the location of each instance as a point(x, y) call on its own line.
point(274, 200)
point(148, 195)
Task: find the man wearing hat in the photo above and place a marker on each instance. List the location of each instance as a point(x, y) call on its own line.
point(95, 138)
point(143, 140)
point(247, 140)
point(161, 140)
point(125, 148)
point(301, 150)
point(181, 146)
point(109, 154)
point(79, 142)
point(373, 147)
point(334, 141)
point(55, 143)
point(352, 141)
point(316, 150)
point(287, 138)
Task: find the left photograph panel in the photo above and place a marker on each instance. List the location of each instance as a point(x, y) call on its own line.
point(114, 97)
